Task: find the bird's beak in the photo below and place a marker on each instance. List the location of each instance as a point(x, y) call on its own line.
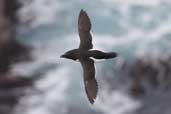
point(62, 56)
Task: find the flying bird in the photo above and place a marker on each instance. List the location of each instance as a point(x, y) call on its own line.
point(84, 54)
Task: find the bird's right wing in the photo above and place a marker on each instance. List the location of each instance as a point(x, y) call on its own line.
point(84, 27)
point(89, 79)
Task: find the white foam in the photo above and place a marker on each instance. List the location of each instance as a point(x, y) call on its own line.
point(134, 2)
point(40, 12)
point(116, 102)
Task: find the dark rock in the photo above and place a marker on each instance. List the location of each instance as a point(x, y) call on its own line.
point(11, 53)
point(11, 7)
point(10, 82)
point(137, 89)
point(149, 72)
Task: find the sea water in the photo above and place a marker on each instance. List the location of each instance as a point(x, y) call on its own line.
point(132, 28)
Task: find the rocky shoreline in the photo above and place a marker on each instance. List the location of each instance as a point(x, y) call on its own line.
point(11, 52)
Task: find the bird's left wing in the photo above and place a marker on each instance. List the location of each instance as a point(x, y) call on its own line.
point(84, 27)
point(90, 82)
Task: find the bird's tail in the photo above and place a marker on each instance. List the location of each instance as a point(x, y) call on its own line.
point(102, 55)
point(91, 88)
point(110, 55)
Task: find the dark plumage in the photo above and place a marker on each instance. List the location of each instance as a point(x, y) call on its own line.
point(83, 54)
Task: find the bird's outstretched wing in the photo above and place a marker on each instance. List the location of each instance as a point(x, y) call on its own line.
point(84, 27)
point(90, 82)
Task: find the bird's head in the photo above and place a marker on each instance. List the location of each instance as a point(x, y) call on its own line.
point(69, 55)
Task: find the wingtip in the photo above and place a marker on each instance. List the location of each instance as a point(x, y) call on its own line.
point(92, 96)
point(84, 23)
point(82, 11)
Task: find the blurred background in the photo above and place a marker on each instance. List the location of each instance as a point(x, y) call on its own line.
point(34, 79)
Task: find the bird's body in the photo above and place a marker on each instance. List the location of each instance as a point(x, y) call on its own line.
point(78, 54)
point(84, 54)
